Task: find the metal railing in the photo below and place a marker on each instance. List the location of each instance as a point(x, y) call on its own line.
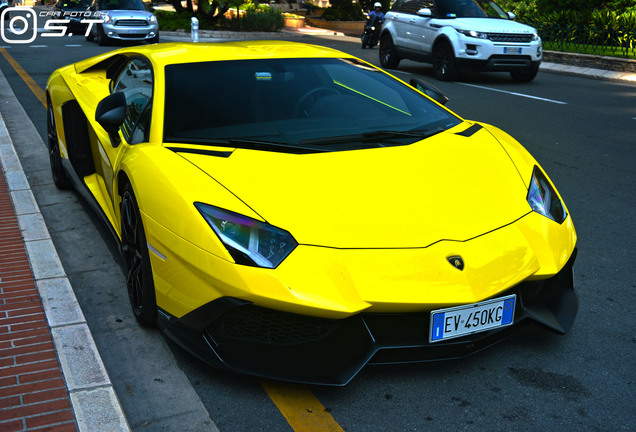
point(618, 42)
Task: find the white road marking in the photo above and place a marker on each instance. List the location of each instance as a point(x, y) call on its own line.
point(73, 45)
point(515, 94)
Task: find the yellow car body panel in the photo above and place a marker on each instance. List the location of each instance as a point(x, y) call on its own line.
point(376, 228)
point(389, 190)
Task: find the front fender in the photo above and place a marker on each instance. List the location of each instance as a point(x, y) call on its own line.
point(166, 187)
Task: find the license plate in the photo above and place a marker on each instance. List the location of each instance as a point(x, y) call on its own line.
point(512, 50)
point(464, 320)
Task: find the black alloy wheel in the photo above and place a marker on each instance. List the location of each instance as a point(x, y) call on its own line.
point(444, 64)
point(388, 57)
point(366, 40)
point(138, 272)
point(60, 179)
point(101, 37)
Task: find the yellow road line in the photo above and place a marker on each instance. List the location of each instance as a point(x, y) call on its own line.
point(37, 91)
point(299, 406)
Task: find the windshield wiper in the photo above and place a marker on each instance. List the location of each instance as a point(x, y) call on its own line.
point(376, 135)
point(249, 144)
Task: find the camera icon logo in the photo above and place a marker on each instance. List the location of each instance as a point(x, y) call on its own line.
point(21, 25)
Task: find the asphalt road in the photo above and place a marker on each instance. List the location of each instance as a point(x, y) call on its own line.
point(582, 132)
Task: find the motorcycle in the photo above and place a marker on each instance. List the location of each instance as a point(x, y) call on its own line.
point(371, 32)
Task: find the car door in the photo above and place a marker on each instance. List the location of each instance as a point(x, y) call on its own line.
point(414, 27)
point(136, 82)
point(421, 34)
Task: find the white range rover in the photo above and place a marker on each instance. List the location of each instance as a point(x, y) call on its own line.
point(457, 36)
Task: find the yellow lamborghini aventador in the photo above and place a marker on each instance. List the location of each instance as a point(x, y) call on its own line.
point(290, 211)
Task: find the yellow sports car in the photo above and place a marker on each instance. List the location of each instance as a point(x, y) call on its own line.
point(292, 212)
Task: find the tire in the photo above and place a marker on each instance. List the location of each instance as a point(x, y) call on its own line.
point(101, 37)
point(388, 57)
point(365, 40)
point(526, 75)
point(60, 179)
point(137, 268)
point(444, 64)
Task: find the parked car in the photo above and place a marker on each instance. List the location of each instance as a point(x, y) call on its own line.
point(73, 10)
point(459, 35)
point(126, 20)
point(4, 4)
point(290, 211)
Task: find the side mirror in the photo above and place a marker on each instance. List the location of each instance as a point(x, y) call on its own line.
point(425, 12)
point(110, 114)
point(429, 90)
point(512, 15)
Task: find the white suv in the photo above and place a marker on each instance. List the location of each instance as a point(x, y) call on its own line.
point(459, 35)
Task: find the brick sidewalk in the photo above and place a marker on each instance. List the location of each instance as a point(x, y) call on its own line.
point(33, 394)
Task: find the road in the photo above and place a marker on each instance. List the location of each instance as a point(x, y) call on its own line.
point(582, 132)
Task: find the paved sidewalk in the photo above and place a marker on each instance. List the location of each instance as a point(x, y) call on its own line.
point(51, 374)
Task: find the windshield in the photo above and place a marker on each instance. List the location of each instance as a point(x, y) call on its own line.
point(470, 9)
point(295, 102)
point(74, 4)
point(121, 5)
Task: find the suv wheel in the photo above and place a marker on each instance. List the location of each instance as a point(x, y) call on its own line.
point(526, 75)
point(444, 65)
point(388, 57)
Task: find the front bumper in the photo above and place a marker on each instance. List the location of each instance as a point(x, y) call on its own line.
point(133, 33)
point(498, 63)
point(477, 55)
point(239, 336)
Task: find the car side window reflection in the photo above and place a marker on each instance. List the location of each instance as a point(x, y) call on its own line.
point(136, 82)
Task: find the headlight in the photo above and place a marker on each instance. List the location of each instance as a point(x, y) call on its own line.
point(535, 37)
point(106, 18)
point(250, 242)
point(153, 19)
point(543, 198)
point(473, 33)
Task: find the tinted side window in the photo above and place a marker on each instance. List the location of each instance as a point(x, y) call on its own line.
point(410, 7)
point(136, 81)
point(397, 5)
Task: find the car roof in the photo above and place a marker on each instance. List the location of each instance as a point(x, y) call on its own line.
point(189, 52)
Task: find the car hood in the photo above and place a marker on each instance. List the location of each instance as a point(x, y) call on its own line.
point(488, 25)
point(446, 187)
point(128, 14)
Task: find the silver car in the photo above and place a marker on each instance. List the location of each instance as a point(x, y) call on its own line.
point(122, 20)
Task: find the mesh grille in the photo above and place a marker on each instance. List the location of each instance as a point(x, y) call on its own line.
point(255, 324)
point(131, 22)
point(508, 37)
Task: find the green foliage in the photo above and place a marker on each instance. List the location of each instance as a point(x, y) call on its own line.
point(256, 18)
point(604, 27)
point(343, 10)
point(523, 9)
point(180, 21)
point(260, 18)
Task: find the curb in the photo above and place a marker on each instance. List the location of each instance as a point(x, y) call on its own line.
point(93, 398)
